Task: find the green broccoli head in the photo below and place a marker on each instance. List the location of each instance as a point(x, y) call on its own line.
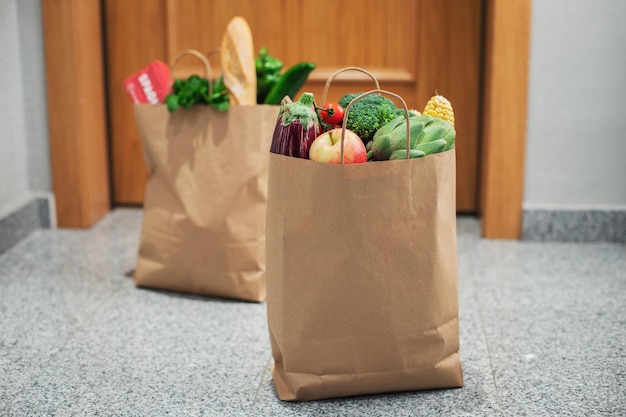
point(368, 114)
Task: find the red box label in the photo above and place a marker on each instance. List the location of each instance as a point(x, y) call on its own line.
point(150, 85)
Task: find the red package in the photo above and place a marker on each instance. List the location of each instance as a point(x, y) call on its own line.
point(150, 85)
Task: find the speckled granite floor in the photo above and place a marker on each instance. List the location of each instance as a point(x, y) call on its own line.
point(543, 333)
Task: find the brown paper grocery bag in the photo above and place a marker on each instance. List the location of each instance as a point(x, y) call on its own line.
point(362, 276)
point(203, 227)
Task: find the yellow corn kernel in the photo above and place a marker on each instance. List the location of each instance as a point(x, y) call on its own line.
point(439, 106)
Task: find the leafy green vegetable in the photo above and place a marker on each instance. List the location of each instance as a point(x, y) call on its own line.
point(368, 114)
point(290, 82)
point(195, 90)
point(267, 73)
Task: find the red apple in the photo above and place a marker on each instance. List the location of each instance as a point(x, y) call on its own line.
point(327, 148)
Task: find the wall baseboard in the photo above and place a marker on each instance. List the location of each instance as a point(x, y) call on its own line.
point(605, 225)
point(20, 223)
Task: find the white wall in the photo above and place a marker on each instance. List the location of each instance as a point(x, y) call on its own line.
point(576, 132)
point(24, 150)
point(34, 89)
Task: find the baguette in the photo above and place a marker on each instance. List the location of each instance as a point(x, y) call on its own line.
point(237, 58)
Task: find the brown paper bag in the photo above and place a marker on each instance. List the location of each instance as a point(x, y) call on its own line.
point(203, 227)
point(362, 276)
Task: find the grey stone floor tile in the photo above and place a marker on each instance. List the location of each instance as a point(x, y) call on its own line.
point(542, 331)
point(45, 299)
point(555, 321)
point(155, 353)
point(51, 283)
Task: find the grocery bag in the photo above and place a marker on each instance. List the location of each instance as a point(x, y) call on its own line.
point(203, 227)
point(362, 291)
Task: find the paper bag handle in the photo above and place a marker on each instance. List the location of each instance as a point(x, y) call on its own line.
point(367, 93)
point(204, 59)
point(212, 52)
point(332, 77)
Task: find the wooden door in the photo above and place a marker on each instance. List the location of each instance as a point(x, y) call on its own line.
point(413, 47)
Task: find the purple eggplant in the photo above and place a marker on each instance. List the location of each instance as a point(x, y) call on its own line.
point(296, 128)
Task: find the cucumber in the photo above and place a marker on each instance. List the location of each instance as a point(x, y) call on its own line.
point(291, 81)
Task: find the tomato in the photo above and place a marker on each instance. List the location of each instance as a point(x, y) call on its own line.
point(332, 113)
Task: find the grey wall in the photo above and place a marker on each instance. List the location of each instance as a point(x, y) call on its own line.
point(24, 150)
point(576, 132)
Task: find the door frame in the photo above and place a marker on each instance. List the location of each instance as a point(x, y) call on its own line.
point(78, 139)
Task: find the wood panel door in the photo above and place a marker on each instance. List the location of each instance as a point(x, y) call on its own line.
point(413, 47)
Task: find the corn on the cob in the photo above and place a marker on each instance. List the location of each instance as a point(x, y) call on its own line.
point(439, 106)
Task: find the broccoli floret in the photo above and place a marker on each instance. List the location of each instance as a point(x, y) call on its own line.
point(368, 114)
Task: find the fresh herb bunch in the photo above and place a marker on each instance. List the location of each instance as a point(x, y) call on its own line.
point(195, 90)
point(267, 73)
